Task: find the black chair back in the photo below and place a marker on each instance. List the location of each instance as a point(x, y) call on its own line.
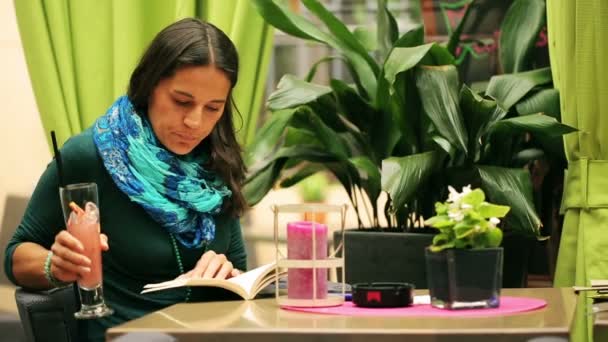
point(48, 315)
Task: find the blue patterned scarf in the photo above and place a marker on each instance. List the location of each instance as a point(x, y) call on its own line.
point(175, 190)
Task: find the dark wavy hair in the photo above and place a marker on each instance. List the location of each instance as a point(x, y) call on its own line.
point(191, 42)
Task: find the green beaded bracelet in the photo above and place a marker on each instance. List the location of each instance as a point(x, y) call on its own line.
point(49, 276)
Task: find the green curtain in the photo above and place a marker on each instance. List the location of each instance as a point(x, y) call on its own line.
point(80, 54)
point(578, 37)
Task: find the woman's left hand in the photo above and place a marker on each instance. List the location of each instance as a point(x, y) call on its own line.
point(212, 265)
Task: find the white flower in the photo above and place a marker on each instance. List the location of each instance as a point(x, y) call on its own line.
point(494, 221)
point(455, 196)
point(456, 215)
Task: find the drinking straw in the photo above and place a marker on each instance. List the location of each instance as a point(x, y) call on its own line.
point(57, 159)
point(76, 208)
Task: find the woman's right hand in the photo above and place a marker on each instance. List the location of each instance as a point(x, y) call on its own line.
point(68, 263)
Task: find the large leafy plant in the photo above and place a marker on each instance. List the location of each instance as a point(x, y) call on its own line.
point(405, 126)
point(480, 144)
point(347, 129)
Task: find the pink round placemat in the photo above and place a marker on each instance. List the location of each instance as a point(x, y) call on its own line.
point(508, 305)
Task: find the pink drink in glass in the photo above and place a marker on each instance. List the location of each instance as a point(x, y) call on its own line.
point(87, 233)
point(83, 224)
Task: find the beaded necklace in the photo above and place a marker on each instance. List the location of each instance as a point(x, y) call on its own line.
point(180, 265)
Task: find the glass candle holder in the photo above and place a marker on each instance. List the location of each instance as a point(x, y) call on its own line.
point(308, 263)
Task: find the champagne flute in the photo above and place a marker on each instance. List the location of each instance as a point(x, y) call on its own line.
point(79, 203)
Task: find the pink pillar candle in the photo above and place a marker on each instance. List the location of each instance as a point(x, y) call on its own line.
point(300, 246)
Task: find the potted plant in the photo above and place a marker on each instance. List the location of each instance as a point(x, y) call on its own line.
point(405, 127)
point(464, 262)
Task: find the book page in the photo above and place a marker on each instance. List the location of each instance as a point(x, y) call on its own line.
point(254, 280)
point(245, 285)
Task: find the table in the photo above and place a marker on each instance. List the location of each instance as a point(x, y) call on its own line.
point(261, 320)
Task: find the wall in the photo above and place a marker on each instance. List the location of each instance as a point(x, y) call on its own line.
point(23, 150)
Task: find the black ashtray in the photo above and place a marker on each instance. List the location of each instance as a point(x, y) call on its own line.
point(383, 295)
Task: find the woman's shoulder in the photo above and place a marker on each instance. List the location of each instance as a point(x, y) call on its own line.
point(79, 154)
point(80, 145)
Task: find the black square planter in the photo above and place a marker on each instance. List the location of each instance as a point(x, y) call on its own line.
point(465, 278)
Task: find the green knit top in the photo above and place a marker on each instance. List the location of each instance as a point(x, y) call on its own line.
point(141, 251)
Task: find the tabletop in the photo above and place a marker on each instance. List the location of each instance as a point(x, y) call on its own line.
point(263, 320)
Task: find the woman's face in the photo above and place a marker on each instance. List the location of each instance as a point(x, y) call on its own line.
point(185, 107)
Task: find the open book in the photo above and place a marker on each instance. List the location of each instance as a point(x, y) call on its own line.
point(246, 285)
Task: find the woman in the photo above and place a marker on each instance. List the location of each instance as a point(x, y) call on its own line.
point(169, 172)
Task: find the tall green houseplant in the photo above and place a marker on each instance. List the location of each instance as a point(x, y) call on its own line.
point(405, 126)
point(348, 129)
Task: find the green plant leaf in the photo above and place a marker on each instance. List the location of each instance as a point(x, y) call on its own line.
point(326, 108)
point(513, 188)
point(444, 145)
point(403, 59)
point(519, 32)
point(367, 38)
point(267, 138)
point(313, 69)
point(439, 248)
point(474, 197)
point(352, 105)
point(401, 176)
point(283, 19)
point(488, 210)
point(397, 99)
point(438, 55)
point(369, 174)
point(463, 230)
point(332, 143)
point(292, 92)
point(441, 208)
point(393, 27)
point(508, 89)
point(363, 67)
point(478, 114)
point(480, 86)
point(340, 31)
point(301, 136)
point(391, 121)
point(304, 172)
point(455, 36)
point(493, 237)
point(536, 123)
point(544, 101)
point(411, 38)
point(388, 31)
point(439, 88)
point(439, 221)
point(440, 239)
point(260, 180)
